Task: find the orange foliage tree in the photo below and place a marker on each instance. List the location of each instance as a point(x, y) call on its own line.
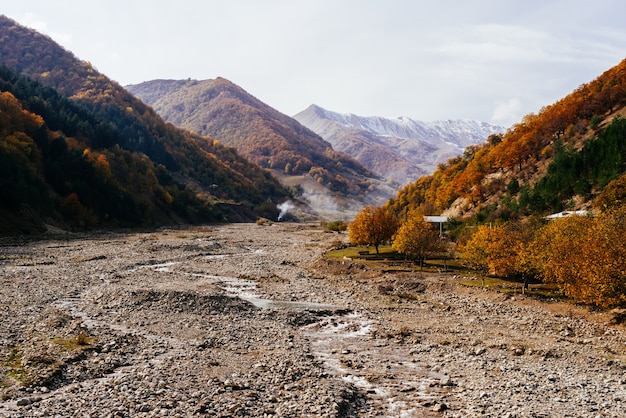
point(585, 256)
point(556, 253)
point(373, 226)
point(500, 250)
point(417, 238)
point(602, 273)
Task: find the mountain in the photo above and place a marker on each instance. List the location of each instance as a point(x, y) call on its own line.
point(569, 156)
point(399, 149)
point(92, 116)
point(298, 156)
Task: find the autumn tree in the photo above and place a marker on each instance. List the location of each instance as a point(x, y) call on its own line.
point(475, 253)
point(585, 257)
point(491, 250)
point(601, 277)
point(417, 238)
point(507, 248)
point(613, 195)
point(373, 226)
point(556, 253)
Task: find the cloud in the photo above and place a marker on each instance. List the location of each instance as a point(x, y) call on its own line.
point(495, 42)
point(35, 22)
point(398, 58)
point(507, 112)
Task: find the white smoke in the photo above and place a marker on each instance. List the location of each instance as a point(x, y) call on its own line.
point(284, 208)
point(322, 204)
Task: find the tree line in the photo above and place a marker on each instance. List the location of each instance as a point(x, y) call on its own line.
point(584, 255)
point(413, 237)
point(53, 164)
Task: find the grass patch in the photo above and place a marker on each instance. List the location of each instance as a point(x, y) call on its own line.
point(17, 371)
point(78, 342)
point(390, 261)
point(541, 290)
point(362, 252)
point(14, 365)
point(39, 364)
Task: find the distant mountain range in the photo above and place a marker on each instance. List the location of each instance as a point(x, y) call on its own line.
point(332, 182)
point(399, 149)
point(353, 160)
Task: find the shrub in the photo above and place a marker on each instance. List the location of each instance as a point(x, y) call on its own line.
point(337, 226)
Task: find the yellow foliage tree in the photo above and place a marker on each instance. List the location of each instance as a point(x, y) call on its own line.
point(475, 252)
point(501, 250)
point(417, 238)
point(585, 257)
point(602, 272)
point(373, 226)
point(613, 195)
point(557, 253)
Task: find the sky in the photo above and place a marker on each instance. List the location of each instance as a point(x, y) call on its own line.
point(489, 60)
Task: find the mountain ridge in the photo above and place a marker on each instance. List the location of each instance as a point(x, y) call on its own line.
point(399, 149)
point(569, 156)
point(295, 154)
point(207, 168)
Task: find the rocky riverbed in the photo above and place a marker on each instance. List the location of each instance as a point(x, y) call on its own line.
point(249, 320)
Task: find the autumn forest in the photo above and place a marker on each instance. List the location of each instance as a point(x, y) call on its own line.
point(571, 156)
point(81, 152)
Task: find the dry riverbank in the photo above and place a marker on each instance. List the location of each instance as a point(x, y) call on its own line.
point(245, 320)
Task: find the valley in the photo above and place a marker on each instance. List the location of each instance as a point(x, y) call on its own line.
point(252, 320)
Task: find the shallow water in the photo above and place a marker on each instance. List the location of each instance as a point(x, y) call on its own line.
point(387, 374)
point(247, 290)
point(344, 343)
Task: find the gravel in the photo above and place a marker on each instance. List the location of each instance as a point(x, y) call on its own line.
point(249, 320)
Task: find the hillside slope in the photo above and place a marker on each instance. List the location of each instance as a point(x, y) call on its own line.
point(399, 149)
point(564, 157)
point(215, 171)
point(54, 170)
point(297, 155)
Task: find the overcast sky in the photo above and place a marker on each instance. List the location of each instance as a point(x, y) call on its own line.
point(489, 60)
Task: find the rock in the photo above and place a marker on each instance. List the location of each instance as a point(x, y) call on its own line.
point(170, 342)
point(440, 407)
point(517, 351)
point(446, 381)
point(23, 402)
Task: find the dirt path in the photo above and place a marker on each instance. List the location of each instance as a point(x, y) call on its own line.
point(245, 320)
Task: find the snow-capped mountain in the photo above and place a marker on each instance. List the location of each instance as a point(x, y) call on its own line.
point(401, 149)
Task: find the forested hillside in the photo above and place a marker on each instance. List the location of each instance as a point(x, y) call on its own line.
point(59, 164)
point(225, 111)
point(560, 158)
point(95, 119)
point(572, 155)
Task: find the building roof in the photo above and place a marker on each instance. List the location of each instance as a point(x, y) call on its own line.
point(567, 213)
point(436, 218)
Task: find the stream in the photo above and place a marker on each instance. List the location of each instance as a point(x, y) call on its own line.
point(342, 339)
point(389, 375)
